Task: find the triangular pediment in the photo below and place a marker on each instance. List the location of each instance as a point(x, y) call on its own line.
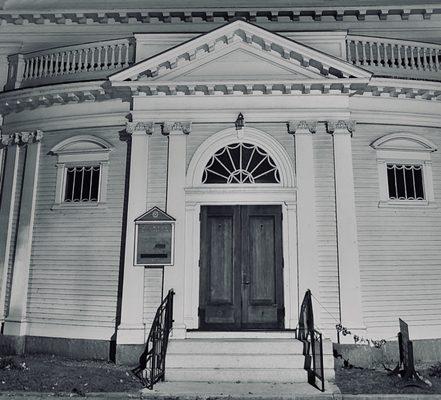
point(238, 52)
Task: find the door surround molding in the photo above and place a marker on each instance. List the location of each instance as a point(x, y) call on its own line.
point(198, 194)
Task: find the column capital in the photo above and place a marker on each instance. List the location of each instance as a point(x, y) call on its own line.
point(341, 126)
point(21, 138)
point(302, 126)
point(176, 128)
point(138, 127)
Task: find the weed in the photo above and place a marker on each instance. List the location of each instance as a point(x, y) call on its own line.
point(435, 370)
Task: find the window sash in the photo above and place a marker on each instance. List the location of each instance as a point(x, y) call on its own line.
point(405, 182)
point(82, 184)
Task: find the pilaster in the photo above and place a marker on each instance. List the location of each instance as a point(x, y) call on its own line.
point(131, 329)
point(15, 323)
point(8, 186)
point(347, 242)
point(174, 276)
point(306, 216)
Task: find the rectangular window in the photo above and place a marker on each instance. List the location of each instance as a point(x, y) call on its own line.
point(405, 182)
point(82, 184)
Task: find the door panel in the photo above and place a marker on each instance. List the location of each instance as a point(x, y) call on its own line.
point(219, 292)
point(262, 296)
point(241, 277)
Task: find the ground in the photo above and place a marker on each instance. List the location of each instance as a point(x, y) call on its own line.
point(43, 373)
point(380, 381)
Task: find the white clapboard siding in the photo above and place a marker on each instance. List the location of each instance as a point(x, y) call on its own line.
point(201, 132)
point(16, 211)
point(326, 231)
point(156, 196)
point(76, 252)
point(400, 252)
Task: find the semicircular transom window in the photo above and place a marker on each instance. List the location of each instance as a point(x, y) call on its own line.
point(241, 163)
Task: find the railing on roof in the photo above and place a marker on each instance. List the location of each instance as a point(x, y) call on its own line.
point(395, 58)
point(71, 63)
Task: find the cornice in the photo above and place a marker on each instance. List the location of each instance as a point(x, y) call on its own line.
point(217, 14)
point(51, 95)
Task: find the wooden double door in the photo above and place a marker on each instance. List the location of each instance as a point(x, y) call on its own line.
point(241, 268)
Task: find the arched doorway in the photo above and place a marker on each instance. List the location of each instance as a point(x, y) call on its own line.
point(248, 182)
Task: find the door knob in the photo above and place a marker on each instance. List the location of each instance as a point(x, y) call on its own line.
point(245, 280)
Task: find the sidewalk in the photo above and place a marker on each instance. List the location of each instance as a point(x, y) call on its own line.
point(223, 391)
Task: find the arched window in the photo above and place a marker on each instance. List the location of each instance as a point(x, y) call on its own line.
point(241, 163)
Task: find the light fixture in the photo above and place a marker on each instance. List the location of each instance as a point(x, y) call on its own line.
point(240, 122)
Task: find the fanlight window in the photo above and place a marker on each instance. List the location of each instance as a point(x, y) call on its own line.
point(241, 163)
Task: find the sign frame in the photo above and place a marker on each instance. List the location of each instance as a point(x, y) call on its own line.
point(154, 216)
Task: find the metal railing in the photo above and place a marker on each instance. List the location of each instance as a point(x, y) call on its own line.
point(396, 58)
point(85, 61)
point(312, 344)
point(151, 368)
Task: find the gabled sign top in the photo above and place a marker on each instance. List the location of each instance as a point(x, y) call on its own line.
point(154, 214)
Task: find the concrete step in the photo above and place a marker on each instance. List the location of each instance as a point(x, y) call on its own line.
point(235, 375)
point(245, 361)
point(233, 346)
point(241, 335)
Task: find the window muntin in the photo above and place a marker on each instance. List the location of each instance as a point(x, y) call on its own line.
point(241, 163)
point(82, 184)
point(405, 182)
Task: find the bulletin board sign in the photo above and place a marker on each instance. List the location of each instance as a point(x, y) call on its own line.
point(154, 239)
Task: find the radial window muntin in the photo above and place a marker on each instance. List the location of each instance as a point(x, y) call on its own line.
point(240, 163)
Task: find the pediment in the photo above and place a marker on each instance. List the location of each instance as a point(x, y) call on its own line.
point(238, 52)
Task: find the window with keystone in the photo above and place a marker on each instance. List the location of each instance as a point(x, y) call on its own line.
point(404, 169)
point(82, 170)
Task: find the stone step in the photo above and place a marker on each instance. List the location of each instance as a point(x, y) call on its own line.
point(233, 346)
point(235, 375)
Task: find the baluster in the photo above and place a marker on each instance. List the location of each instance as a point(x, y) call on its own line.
point(126, 61)
point(371, 54)
point(424, 59)
point(112, 56)
point(31, 68)
point(46, 65)
point(86, 59)
point(106, 57)
point(399, 55)
point(92, 58)
point(436, 59)
point(412, 56)
point(377, 45)
point(348, 51)
point(99, 65)
point(81, 60)
point(357, 58)
point(418, 60)
point(119, 56)
point(431, 66)
point(40, 66)
point(26, 69)
point(392, 55)
point(56, 64)
point(116, 56)
point(406, 59)
point(363, 53)
point(52, 65)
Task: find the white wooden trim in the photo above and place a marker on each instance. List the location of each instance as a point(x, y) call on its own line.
point(131, 329)
point(15, 323)
point(347, 240)
point(198, 194)
point(7, 204)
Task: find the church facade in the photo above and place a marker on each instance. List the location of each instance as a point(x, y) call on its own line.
point(293, 148)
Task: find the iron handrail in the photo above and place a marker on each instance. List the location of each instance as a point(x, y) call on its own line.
point(151, 368)
point(312, 344)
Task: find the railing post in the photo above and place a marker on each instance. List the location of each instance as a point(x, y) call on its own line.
point(16, 71)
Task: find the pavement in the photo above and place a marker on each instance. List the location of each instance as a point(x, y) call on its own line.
point(224, 391)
